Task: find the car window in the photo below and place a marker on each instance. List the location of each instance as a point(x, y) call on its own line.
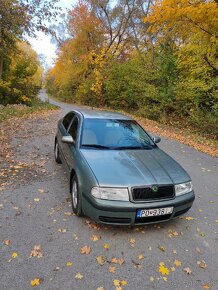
point(73, 128)
point(67, 120)
point(115, 134)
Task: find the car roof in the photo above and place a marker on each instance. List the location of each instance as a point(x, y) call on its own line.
point(102, 114)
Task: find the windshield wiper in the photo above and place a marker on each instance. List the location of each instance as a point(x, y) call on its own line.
point(132, 147)
point(96, 146)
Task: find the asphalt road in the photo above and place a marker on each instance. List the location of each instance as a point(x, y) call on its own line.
point(35, 210)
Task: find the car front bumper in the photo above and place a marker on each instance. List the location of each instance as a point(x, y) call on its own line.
point(124, 213)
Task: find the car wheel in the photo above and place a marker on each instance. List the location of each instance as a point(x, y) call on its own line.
point(57, 153)
point(76, 197)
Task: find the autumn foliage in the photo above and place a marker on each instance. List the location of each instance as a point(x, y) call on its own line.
point(158, 59)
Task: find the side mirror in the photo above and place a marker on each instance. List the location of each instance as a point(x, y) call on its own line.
point(67, 139)
point(156, 139)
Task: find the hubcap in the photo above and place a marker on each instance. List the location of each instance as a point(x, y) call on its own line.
point(74, 194)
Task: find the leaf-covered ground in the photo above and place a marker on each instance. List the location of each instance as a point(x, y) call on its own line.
point(44, 246)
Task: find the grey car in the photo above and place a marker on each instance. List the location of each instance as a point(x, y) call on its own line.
point(117, 174)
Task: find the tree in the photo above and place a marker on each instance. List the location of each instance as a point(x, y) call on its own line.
point(194, 21)
point(22, 16)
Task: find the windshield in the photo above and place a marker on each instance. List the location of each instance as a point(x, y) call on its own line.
point(114, 134)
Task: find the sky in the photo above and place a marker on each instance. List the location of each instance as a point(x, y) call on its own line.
point(42, 44)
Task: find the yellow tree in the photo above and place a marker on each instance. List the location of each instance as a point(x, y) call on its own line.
point(193, 21)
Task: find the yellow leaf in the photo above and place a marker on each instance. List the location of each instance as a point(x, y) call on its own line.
point(177, 263)
point(165, 279)
point(14, 255)
point(206, 286)
point(106, 246)
point(164, 270)
point(79, 276)
point(173, 269)
point(116, 283)
point(69, 264)
point(123, 283)
point(216, 221)
point(36, 199)
point(35, 282)
point(141, 257)
point(161, 264)
point(100, 288)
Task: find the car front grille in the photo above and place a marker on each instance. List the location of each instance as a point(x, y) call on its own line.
point(148, 194)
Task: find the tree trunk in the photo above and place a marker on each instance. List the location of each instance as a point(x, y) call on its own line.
point(1, 65)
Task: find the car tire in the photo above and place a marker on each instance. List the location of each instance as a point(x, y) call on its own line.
point(76, 197)
point(57, 153)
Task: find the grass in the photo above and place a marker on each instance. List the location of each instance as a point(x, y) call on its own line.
point(9, 111)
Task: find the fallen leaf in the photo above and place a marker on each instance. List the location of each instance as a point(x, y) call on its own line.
point(177, 263)
point(163, 249)
point(173, 234)
point(95, 238)
point(164, 270)
point(79, 276)
point(174, 252)
point(106, 246)
point(132, 242)
point(69, 264)
point(14, 255)
point(37, 199)
point(165, 279)
point(67, 213)
point(123, 283)
point(112, 269)
point(100, 288)
point(7, 242)
point(117, 261)
point(198, 250)
point(85, 250)
point(116, 282)
point(173, 269)
point(101, 260)
point(188, 218)
point(187, 271)
point(35, 282)
point(62, 230)
point(206, 286)
point(151, 279)
point(36, 252)
point(202, 264)
point(41, 190)
point(141, 257)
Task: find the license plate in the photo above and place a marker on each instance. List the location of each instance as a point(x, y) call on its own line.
point(154, 212)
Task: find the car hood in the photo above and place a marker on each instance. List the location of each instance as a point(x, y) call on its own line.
point(134, 167)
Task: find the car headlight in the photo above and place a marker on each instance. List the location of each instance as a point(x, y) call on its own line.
point(183, 188)
point(110, 193)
